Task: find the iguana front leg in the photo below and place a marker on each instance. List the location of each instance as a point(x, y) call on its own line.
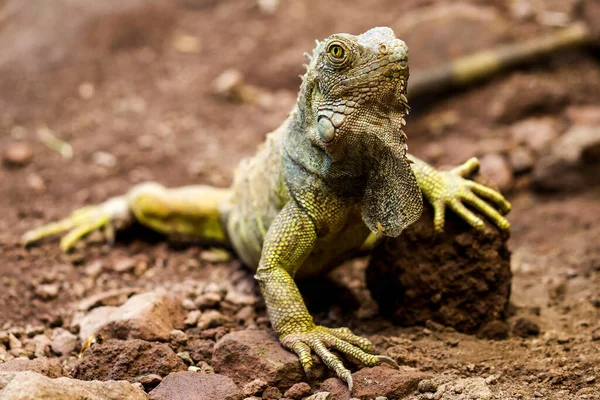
point(450, 189)
point(288, 243)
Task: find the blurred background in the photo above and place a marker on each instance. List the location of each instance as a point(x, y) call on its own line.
point(96, 96)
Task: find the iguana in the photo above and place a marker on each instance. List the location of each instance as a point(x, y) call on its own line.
point(336, 171)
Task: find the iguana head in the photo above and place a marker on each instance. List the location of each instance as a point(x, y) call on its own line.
point(355, 102)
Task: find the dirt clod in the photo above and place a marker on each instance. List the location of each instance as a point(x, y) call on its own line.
point(524, 327)
point(461, 279)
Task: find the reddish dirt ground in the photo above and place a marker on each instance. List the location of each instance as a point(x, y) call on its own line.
point(152, 109)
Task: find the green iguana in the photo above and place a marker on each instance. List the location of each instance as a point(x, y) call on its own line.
point(336, 171)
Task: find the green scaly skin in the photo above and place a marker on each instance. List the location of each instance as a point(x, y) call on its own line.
point(334, 173)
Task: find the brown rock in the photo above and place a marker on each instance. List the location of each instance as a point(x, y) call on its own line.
point(496, 168)
point(271, 393)
point(147, 316)
point(338, 389)
point(494, 330)
point(256, 387)
point(383, 381)
point(29, 385)
point(49, 367)
point(117, 359)
point(63, 342)
point(460, 278)
point(520, 159)
point(192, 385)
point(298, 391)
point(114, 297)
point(17, 155)
point(524, 327)
point(201, 349)
point(254, 354)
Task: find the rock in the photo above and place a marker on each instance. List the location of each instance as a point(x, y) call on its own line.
point(473, 388)
point(208, 300)
point(211, 319)
point(271, 393)
point(149, 381)
point(338, 389)
point(47, 291)
point(30, 385)
point(192, 385)
point(494, 330)
point(178, 337)
point(520, 159)
point(130, 359)
point(107, 160)
point(497, 169)
point(254, 354)
point(63, 342)
point(384, 381)
point(298, 391)
point(240, 299)
point(13, 342)
point(201, 349)
point(572, 163)
point(17, 155)
point(320, 396)
point(460, 278)
point(596, 334)
point(192, 318)
point(524, 327)
point(537, 133)
point(256, 387)
point(42, 345)
point(427, 386)
point(148, 316)
point(49, 367)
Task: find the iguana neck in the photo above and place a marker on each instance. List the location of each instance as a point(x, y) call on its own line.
point(305, 163)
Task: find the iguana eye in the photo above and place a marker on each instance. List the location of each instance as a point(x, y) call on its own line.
point(336, 51)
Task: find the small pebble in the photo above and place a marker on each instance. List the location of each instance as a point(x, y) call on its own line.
point(427, 385)
point(18, 155)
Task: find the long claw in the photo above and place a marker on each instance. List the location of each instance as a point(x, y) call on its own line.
point(387, 360)
point(350, 383)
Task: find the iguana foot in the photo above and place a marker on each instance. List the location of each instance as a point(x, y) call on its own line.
point(321, 339)
point(450, 189)
point(84, 221)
